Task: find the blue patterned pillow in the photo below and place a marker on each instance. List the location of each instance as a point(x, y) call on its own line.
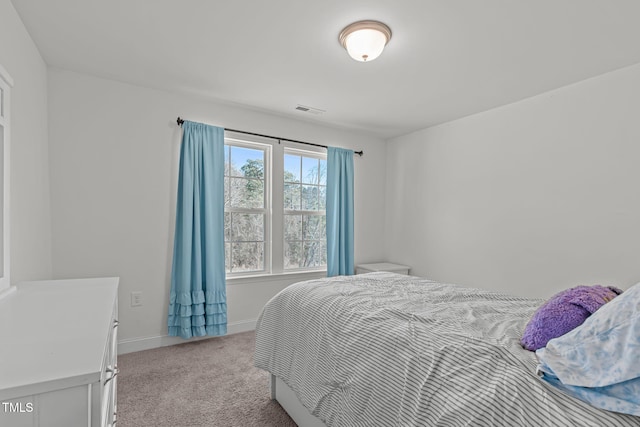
point(603, 350)
point(598, 361)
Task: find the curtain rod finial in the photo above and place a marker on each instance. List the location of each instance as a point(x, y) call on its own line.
point(179, 121)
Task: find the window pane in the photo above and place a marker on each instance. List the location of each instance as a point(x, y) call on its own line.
point(246, 193)
point(247, 257)
point(227, 226)
point(323, 253)
point(291, 168)
point(226, 192)
point(310, 197)
point(247, 162)
point(323, 172)
point(293, 227)
point(322, 198)
point(309, 170)
point(227, 257)
point(292, 254)
point(315, 254)
point(235, 191)
point(292, 196)
point(247, 227)
point(254, 193)
point(315, 227)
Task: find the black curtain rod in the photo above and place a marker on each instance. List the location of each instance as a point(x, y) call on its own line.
point(359, 153)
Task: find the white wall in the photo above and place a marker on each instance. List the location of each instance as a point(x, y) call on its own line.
point(114, 152)
point(30, 210)
point(529, 198)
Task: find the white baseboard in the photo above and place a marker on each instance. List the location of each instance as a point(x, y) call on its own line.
point(147, 343)
point(8, 291)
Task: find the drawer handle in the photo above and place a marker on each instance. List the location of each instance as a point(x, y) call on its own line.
point(115, 371)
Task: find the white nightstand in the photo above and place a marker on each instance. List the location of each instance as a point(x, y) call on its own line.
point(382, 266)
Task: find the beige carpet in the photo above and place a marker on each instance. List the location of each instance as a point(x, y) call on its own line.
point(202, 383)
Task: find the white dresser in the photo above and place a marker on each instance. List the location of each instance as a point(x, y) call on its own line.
point(58, 352)
point(382, 266)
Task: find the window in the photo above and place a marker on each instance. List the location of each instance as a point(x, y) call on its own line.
point(246, 209)
point(305, 189)
point(274, 208)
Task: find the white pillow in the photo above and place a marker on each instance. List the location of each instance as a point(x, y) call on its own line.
point(604, 350)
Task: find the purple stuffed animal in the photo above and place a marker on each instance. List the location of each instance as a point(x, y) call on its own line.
point(564, 312)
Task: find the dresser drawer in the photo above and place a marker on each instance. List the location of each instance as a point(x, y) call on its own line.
point(109, 376)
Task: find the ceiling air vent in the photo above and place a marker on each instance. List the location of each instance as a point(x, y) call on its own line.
point(310, 110)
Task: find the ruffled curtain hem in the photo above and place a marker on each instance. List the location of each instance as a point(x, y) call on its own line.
point(198, 331)
point(204, 313)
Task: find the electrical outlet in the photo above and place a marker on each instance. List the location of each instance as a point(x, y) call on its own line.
point(136, 299)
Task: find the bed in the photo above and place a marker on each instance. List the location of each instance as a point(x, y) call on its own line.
point(382, 349)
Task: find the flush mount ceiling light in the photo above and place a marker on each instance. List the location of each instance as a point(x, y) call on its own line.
point(365, 40)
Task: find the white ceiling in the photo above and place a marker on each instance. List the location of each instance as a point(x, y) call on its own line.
point(446, 59)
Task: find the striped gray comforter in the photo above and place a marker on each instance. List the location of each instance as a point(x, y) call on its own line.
point(382, 349)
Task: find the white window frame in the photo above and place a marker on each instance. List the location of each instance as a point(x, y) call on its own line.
point(274, 206)
point(312, 155)
point(266, 210)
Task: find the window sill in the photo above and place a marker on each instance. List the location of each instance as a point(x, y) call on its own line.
point(294, 276)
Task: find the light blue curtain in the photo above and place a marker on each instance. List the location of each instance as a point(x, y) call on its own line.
point(339, 212)
point(198, 300)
